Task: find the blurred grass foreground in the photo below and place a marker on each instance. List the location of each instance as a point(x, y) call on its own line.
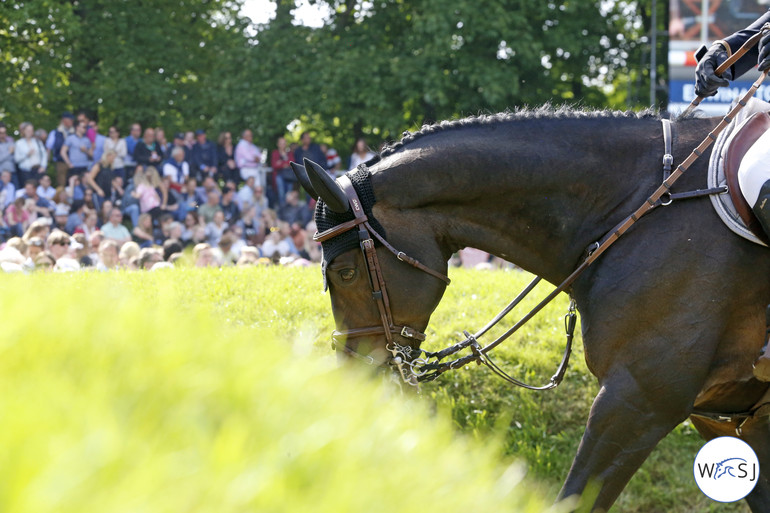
point(164, 392)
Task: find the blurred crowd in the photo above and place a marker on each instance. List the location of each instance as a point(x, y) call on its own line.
point(74, 198)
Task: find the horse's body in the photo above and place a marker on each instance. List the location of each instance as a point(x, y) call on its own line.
point(672, 314)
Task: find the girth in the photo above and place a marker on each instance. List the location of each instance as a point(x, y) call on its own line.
point(387, 327)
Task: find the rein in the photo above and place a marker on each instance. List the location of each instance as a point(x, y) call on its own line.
point(405, 359)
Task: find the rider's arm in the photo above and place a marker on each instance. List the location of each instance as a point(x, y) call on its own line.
point(735, 41)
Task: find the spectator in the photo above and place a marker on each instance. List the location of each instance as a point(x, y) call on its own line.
point(131, 140)
point(228, 170)
point(208, 209)
point(249, 225)
point(177, 169)
point(30, 155)
point(147, 152)
point(361, 154)
point(91, 201)
point(104, 211)
point(248, 158)
point(118, 145)
point(108, 256)
point(229, 207)
point(142, 232)
point(276, 245)
point(179, 143)
point(249, 256)
point(40, 206)
point(17, 218)
point(293, 211)
point(60, 215)
point(44, 261)
point(75, 190)
point(190, 223)
point(54, 145)
point(95, 240)
point(216, 228)
point(6, 153)
point(175, 229)
point(170, 200)
point(117, 191)
point(160, 137)
point(202, 255)
point(149, 257)
point(114, 229)
point(188, 199)
point(99, 179)
point(58, 244)
point(333, 161)
point(209, 184)
point(284, 178)
point(77, 152)
point(128, 252)
point(189, 142)
point(7, 189)
point(39, 228)
point(260, 201)
point(81, 250)
point(35, 246)
point(90, 224)
point(171, 247)
point(309, 150)
point(84, 117)
point(245, 195)
point(76, 217)
point(204, 156)
point(145, 191)
point(99, 140)
point(44, 190)
point(224, 252)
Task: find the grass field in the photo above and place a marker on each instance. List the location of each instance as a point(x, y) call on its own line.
point(192, 390)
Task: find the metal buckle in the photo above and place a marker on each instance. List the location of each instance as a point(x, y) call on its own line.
point(668, 159)
point(407, 332)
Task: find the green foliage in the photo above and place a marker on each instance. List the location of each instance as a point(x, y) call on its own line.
point(373, 70)
point(169, 392)
point(190, 390)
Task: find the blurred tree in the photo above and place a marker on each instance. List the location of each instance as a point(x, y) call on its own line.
point(372, 70)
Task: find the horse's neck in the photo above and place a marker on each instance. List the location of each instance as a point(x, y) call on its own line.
point(536, 193)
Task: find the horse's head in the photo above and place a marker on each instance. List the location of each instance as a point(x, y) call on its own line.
point(382, 297)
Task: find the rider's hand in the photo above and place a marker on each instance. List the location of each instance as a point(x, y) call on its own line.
point(764, 52)
point(706, 80)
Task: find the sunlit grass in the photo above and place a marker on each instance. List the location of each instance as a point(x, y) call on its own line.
point(192, 390)
point(170, 392)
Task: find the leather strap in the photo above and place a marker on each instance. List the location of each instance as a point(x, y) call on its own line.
point(668, 158)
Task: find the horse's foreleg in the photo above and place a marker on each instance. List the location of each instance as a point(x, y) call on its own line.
point(625, 424)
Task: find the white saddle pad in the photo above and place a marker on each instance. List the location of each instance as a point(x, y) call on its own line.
point(716, 176)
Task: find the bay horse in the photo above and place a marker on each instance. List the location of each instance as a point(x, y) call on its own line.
point(672, 315)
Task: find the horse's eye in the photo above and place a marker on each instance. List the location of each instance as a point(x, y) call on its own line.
point(347, 274)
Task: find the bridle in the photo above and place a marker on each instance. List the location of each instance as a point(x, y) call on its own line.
point(400, 355)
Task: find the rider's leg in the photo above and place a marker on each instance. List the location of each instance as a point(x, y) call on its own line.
point(754, 179)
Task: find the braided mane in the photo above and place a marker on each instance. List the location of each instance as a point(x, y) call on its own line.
point(546, 111)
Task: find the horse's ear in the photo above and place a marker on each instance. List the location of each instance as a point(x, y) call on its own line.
point(327, 189)
point(301, 174)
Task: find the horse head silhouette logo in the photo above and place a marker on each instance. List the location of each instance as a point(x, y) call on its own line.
point(723, 467)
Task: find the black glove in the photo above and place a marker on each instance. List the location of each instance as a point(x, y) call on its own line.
point(764, 52)
point(706, 80)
